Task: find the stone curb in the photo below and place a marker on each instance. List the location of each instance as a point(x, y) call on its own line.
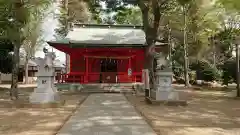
point(168, 103)
point(149, 122)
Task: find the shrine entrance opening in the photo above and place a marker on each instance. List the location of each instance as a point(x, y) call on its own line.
point(108, 70)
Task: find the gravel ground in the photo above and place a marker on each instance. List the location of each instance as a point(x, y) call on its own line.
point(35, 121)
point(206, 114)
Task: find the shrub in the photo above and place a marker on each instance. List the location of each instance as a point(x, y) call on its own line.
point(192, 77)
point(229, 71)
point(205, 71)
point(211, 74)
point(177, 70)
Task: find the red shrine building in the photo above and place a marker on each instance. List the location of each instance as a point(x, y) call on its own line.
point(103, 53)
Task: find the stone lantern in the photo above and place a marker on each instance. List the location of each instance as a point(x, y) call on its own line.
point(164, 92)
point(45, 92)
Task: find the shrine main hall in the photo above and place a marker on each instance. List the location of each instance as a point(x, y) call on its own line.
point(103, 53)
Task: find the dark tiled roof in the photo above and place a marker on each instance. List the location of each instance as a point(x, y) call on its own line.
point(104, 35)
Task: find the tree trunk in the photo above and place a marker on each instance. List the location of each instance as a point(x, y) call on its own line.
point(66, 16)
point(66, 29)
point(185, 49)
point(26, 70)
point(237, 70)
point(151, 29)
point(67, 63)
point(149, 59)
point(170, 47)
point(148, 64)
point(15, 71)
point(214, 56)
point(214, 51)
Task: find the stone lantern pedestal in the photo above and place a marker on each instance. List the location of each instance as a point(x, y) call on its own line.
point(164, 92)
point(45, 92)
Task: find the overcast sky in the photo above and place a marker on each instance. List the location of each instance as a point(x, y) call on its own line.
point(50, 23)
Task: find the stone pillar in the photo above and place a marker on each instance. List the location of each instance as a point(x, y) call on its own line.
point(45, 92)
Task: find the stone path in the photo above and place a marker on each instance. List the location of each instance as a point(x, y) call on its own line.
point(106, 114)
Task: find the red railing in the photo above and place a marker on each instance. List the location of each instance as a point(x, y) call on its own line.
point(121, 77)
point(137, 77)
point(71, 78)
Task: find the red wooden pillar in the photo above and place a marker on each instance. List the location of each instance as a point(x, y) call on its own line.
point(130, 67)
point(129, 62)
point(86, 69)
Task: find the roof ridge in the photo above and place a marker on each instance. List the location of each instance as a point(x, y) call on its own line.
point(76, 25)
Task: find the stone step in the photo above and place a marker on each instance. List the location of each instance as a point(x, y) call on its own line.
point(97, 88)
point(106, 91)
point(102, 88)
point(108, 88)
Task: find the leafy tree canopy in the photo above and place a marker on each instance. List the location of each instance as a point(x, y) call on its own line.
point(6, 47)
point(129, 15)
point(230, 4)
point(6, 44)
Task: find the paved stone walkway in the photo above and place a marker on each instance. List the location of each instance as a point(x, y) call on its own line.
point(106, 114)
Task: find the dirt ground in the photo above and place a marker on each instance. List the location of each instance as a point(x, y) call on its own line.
point(35, 121)
point(206, 114)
